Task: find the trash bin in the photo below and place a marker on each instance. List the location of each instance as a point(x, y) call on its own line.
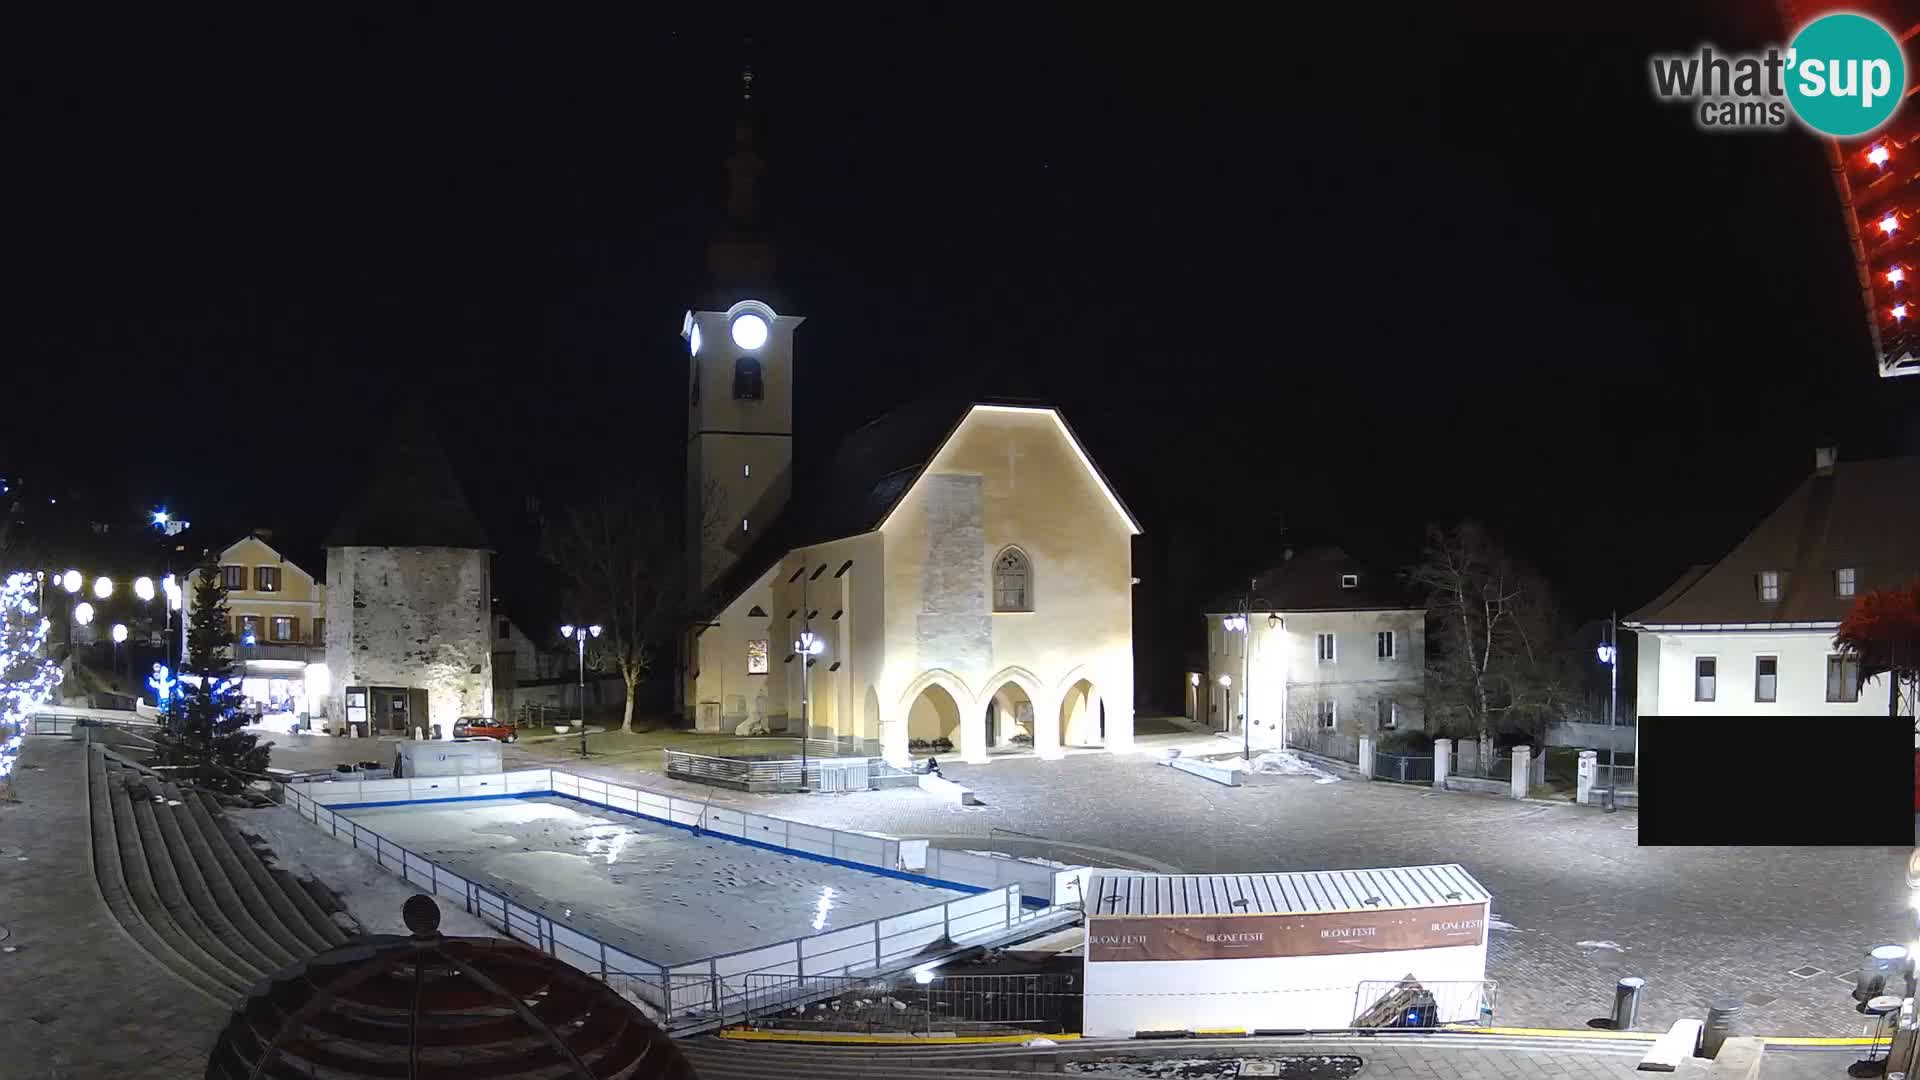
point(1720, 1017)
point(1626, 1002)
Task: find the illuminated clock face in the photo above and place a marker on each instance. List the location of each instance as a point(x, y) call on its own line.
point(693, 340)
point(749, 331)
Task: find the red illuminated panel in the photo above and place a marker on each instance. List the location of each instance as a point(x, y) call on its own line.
point(1878, 178)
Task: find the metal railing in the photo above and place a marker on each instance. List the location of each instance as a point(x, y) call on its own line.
point(1494, 766)
point(1603, 776)
point(1329, 744)
point(693, 996)
point(1403, 768)
point(1041, 1003)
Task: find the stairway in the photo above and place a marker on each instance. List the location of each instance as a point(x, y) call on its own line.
point(189, 889)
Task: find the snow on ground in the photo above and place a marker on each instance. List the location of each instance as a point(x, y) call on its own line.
point(1280, 763)
point(660, 893)
point(372, 893)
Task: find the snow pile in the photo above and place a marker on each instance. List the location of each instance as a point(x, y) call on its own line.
point(1280, 763)
point(373, 894)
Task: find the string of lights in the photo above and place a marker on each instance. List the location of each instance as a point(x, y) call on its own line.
point(27, 678)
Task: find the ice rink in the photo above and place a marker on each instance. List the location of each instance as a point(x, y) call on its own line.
point(655, 891)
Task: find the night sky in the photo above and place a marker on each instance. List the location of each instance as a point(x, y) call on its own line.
point(1342, 278)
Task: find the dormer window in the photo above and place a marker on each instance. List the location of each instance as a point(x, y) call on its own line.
point(1349, 581)
point(1768, 583)
point(746, 379)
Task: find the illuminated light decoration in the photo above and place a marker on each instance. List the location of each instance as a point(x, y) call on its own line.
point(247, 638)
point(1606, 654)
point(162, 682)
point(1226, 680)
point(1899, 311)
point(1896, 275)
point(119, 633)
point(1235, 623)
point(1888, 224)
point(749, 331)
point(83, 613)
point(102, 588)
point(1878, 155)
point(160, 518)
point(71, 581)
point(693, 340)
point(27, 679)
point(143, 588)
point(1194, 678)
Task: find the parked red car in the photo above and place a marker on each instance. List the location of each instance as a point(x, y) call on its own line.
point(471, 726)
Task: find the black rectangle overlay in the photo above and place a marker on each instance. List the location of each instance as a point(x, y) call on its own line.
point(1767, 781)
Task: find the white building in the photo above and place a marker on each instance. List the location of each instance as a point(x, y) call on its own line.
point(1753, 633)
point(963, 565)
point(1338, 649)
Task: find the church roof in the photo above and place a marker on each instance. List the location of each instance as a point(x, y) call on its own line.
point(1861, 516)
point(865, 478)
point(411, 498)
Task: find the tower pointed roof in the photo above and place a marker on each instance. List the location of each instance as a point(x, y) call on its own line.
point(741, 254)
point(411, 497)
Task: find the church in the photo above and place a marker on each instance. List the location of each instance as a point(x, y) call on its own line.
point(957, 577)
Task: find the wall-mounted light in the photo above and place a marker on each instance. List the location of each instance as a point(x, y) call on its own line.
point(1878, 155)
point(1226, 680)
point(1888, 224)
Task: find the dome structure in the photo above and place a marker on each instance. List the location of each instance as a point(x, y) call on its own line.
point(428, 1006)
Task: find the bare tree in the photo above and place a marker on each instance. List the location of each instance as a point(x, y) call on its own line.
point(626, 569)
point(1496, 663)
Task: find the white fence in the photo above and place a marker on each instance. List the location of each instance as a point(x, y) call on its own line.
point(693, 995)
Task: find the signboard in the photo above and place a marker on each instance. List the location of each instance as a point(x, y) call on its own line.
point(1235, 937)
point(757, 657)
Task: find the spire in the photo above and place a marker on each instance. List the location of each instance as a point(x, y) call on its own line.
point(742, 254)
point(411, 498)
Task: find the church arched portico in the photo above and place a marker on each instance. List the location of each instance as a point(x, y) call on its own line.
point(936, 705)
point(1016, 699)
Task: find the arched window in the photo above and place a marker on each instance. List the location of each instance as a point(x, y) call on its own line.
point(746, 379)
point(1012, 581)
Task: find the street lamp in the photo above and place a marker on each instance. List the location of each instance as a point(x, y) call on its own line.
point(1609, 653)
point(1240, 623)
point(102, 587)
point(143, 588)
point(580, 634)
point(809, 646)
point(119, 639)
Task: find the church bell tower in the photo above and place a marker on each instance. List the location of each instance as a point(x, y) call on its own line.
point(740, 377)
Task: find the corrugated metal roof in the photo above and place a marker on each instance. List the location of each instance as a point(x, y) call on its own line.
point(1123, 893)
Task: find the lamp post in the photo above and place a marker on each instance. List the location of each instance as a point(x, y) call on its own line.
point(1242, 622)
point(1609, 652)
point(580, 634)
point(809, 646)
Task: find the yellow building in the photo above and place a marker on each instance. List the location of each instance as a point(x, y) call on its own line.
point(279, 626)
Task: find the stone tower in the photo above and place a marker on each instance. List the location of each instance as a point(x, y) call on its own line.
point(740, 377)
point(409, 594)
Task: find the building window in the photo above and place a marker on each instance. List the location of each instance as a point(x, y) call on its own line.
point(266, 579)
point(248, 626)
point(1383, 644)
point(1326, 714)
point(757, 657)
point(1704, 670)
point(1769, 586)
point(319, 631)
point(1012, 581)
point(1323, 648)
point(1843, 581)
point(1766, 678)
point(746, 470)
point(1389, 713)
point(1843, 678)
point(233, 577)
point(746, 379)
point(504, 631)
point(1349, 581)
point(283, 628)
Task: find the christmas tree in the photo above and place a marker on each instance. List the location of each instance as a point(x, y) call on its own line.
point(203, 729)
point(26, 677)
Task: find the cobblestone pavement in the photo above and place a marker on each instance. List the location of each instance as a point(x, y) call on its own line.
point(82, 1000)
point(1586, 906)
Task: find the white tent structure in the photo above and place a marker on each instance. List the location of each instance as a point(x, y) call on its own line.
point(1281, 952)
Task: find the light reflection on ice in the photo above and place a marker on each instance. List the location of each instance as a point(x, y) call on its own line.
point(824, 905)
point(608, 841)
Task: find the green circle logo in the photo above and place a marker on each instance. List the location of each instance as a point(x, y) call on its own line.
point(1846, 75)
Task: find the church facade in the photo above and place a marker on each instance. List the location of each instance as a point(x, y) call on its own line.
point(956, 577)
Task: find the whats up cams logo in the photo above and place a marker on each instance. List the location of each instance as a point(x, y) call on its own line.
point(1842, 75)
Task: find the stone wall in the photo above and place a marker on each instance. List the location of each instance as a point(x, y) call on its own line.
point(412, 617)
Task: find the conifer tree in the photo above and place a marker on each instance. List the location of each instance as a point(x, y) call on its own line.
point(203, 729)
